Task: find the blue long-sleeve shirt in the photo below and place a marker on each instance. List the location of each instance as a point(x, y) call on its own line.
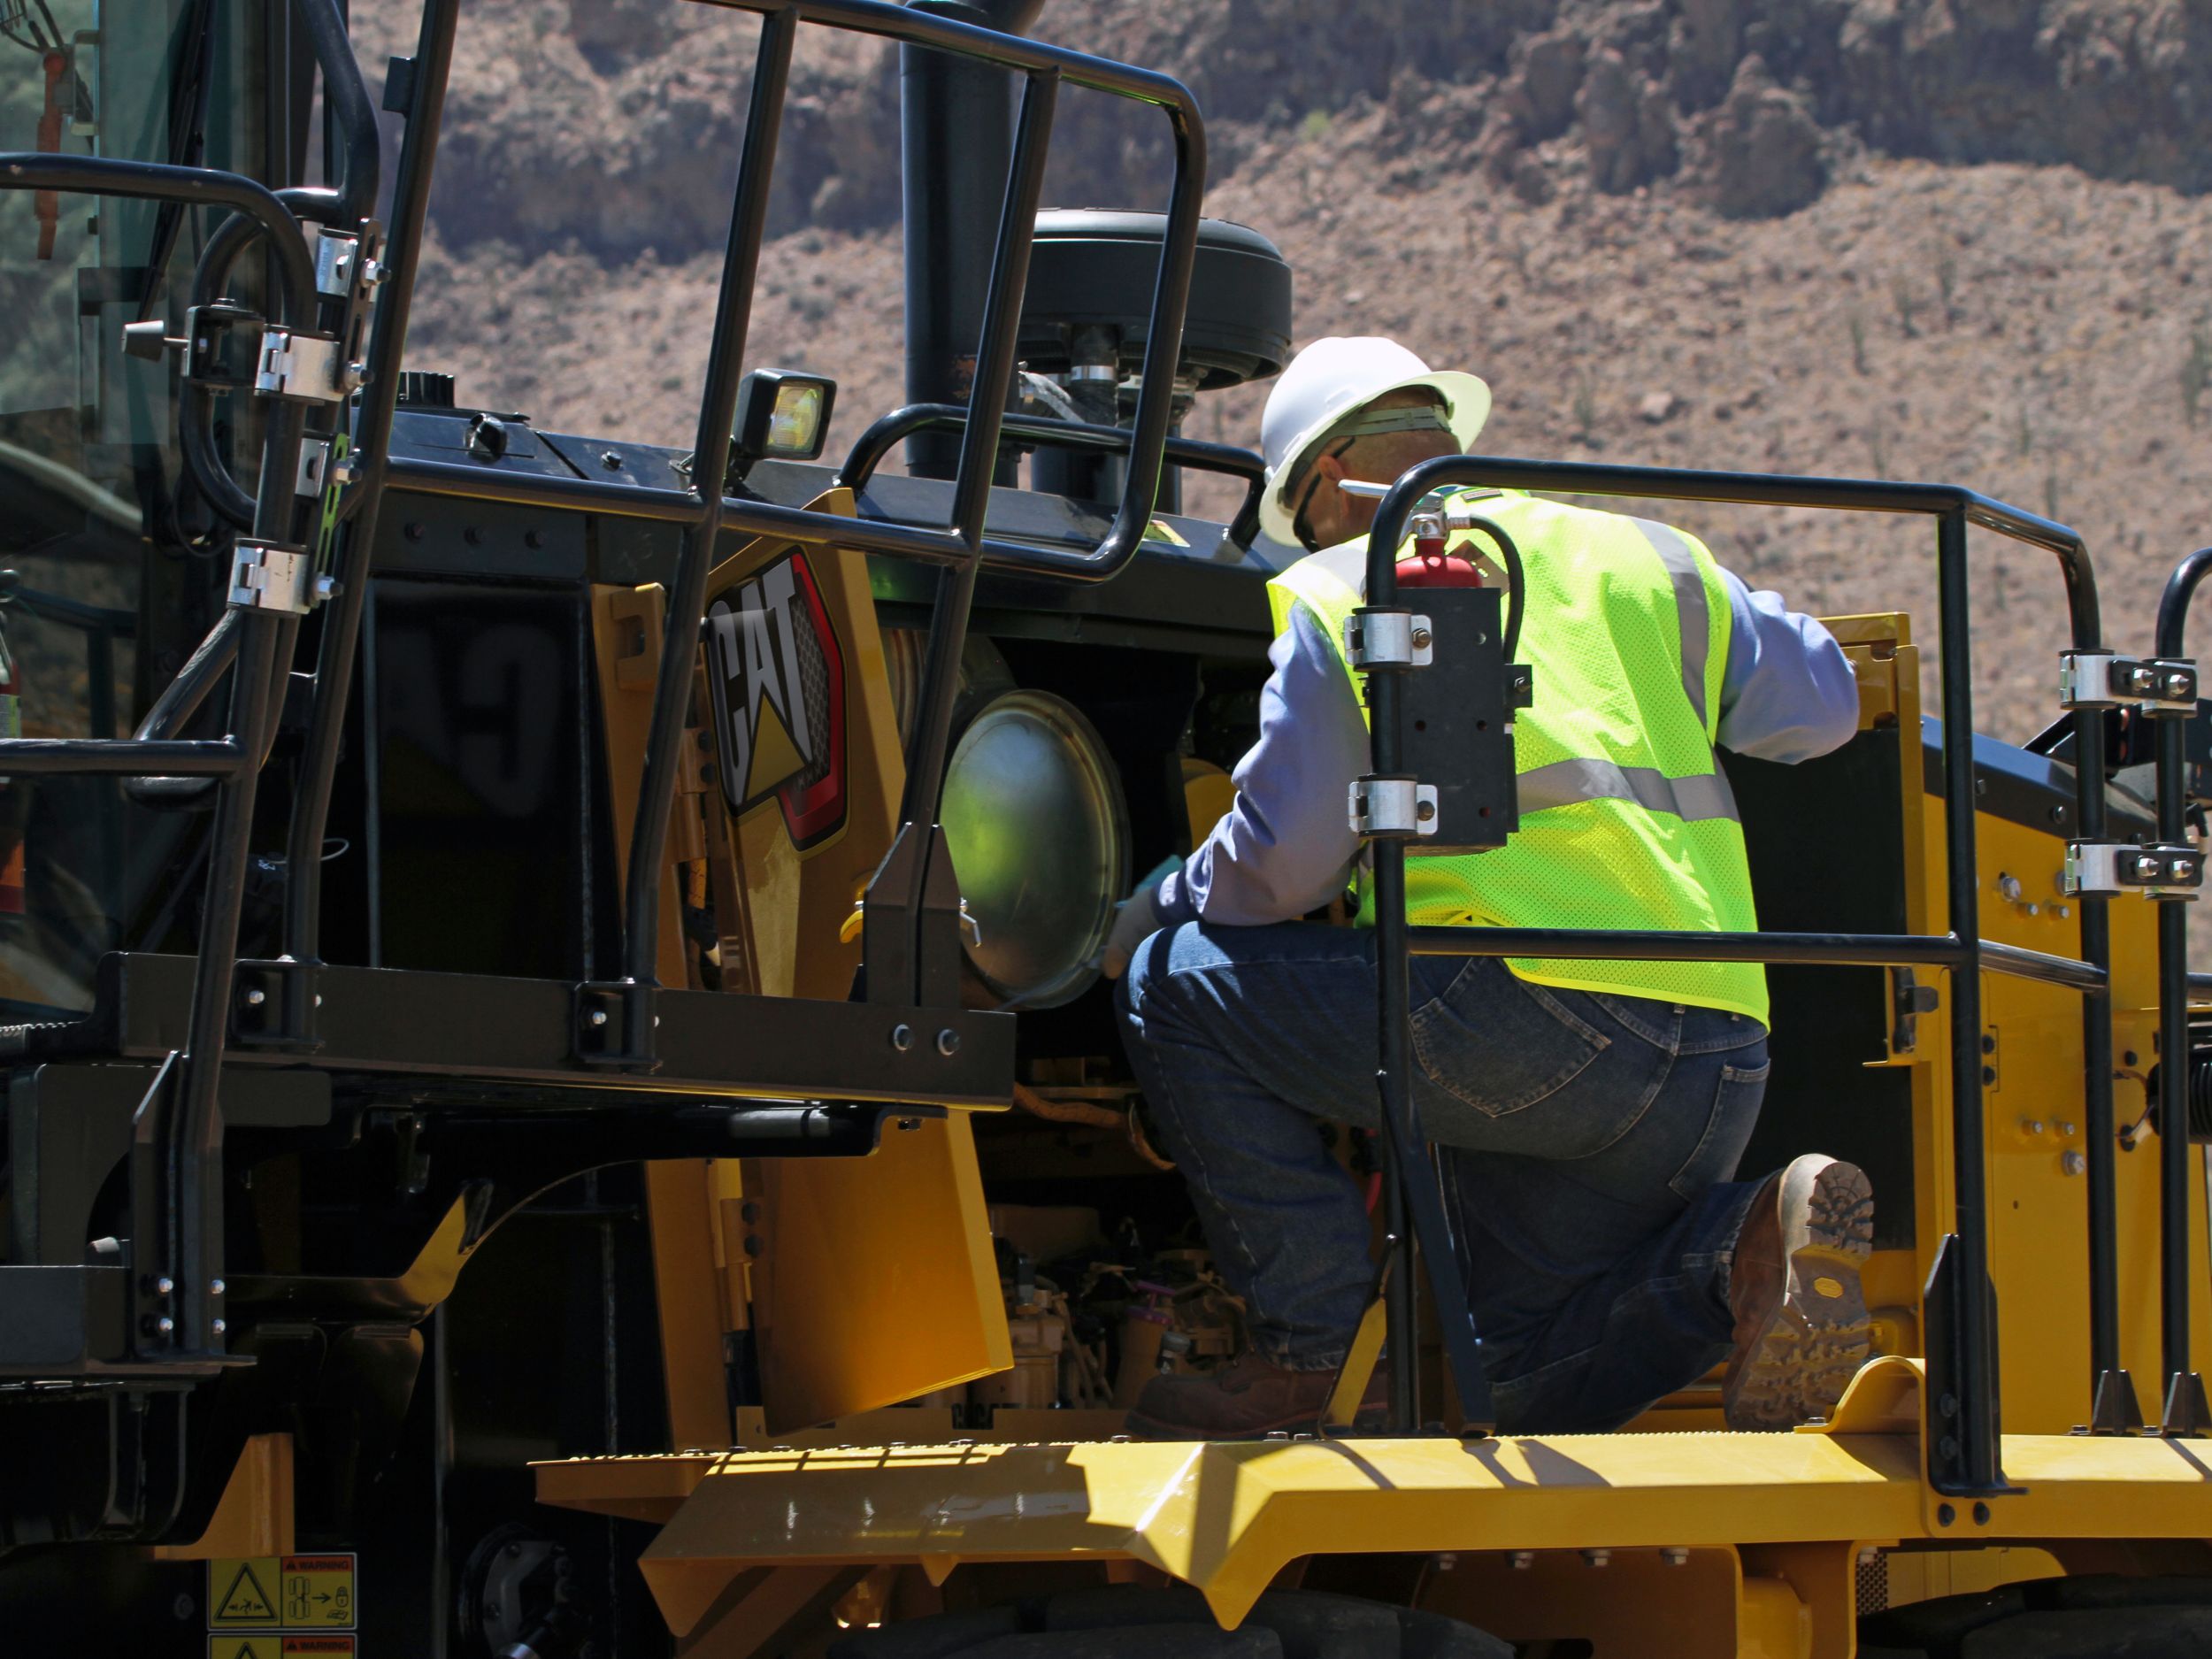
point(1286, 848)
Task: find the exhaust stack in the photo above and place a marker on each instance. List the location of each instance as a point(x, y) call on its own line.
point(956, 121)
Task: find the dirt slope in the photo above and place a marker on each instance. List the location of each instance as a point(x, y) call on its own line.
point(1943, 240)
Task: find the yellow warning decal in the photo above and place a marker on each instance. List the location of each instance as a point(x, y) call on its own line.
point(318, 1592)
point(226, 1646)
point(243, 1594)
point(281, 1593)
point(1160, 530)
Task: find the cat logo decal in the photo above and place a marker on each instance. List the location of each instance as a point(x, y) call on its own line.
point(776, 680)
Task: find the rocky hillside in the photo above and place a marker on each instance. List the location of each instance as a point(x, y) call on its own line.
point(1956, 239)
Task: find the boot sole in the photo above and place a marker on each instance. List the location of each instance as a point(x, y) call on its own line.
point(1817, 1335)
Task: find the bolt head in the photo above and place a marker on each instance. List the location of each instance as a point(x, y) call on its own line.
point(216, 1288)
point(165, 1324)
point(1523, 1560)
point(1421, 638)
point(2073, 1163)
point(1597, 1557)
point(1426, 811)
point(1674, 1556)
point(219, 1325)
point(165, 1285)
point(902, 1037)
point(597, 1017)
point(949, 1042)
point(256, 997)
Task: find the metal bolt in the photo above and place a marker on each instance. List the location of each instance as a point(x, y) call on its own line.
point(611, 460)
point(597, 1017)
point(1425, 810)
point(949, 1042)
point(256, 997)
point(1523, 1560)
point(1597, 1557)
point(2180, 687)
point(2066, 1129)
point(184, 1606)
point(165, 1324)
point(216, 1288)
point(165, 1285)
point(2073, 1163)
point(1447, 1563)
point(2145, 867)
point(1421, 637)
point(219, 1326)
point(1675, 1555)
point(902, 1037)
point(2033, 1125)
point(2009, 886)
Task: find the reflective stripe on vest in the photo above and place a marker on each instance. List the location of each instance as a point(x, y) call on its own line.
point(1628, 821)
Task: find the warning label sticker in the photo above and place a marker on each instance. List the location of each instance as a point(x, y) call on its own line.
point(276, 1646)
point(281, 1593)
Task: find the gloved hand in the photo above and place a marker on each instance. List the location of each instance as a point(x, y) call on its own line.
point(1135, 920)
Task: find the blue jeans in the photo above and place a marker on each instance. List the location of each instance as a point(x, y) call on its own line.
point(1587, 1143)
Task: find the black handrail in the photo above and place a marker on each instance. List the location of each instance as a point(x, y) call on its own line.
point(885, 433)
point(191, 187)
point(962, 546)
point(372, 447)
point(2185, 1409)
point(178, 1231)
point(360, 157)
point(1963, 1447)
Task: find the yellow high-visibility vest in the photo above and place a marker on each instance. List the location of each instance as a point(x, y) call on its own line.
point(1628, 821)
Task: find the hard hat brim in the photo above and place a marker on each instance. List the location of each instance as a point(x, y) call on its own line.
point(1466, 407)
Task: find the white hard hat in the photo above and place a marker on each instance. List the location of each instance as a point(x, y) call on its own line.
point(1331, 379)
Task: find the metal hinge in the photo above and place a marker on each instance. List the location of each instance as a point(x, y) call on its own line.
point(268, 576)
point(2100, 679)
point(1392, 807)
point(304, 367)
point(1908, 1001)
point(2105, 870)
point(1376, 638)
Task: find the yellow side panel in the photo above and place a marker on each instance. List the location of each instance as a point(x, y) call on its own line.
point(874, 1279)
point(877, 1281)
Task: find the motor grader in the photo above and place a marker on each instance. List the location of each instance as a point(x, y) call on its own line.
point(559, 1100)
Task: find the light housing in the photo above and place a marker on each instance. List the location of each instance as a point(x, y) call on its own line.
point(783, 414)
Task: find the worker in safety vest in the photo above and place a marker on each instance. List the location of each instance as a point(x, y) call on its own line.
point(1592, 1112)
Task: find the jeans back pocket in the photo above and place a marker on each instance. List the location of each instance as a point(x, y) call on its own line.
point(1499, 1042)
point(1728, 1126)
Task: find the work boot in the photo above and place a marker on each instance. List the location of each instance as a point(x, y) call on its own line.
point(1801, 1331)
point(1244, 1399)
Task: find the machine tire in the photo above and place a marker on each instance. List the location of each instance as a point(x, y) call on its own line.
point(1173, 1622)
point(2092, 1616)
point(2116, 1633)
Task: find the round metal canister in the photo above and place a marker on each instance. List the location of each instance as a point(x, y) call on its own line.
point(1034, 816)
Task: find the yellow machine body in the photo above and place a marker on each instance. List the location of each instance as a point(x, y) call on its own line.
point(871, 1283)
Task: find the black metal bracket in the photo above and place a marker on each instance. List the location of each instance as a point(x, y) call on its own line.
point(1457, 721)
point(610, 1015)
point(273, 1005)
point(1908, 1001)
point(2112, 1408)
point(1954, 1420)
point(2187, 1416)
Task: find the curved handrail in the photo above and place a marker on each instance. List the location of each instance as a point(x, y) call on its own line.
point(887, 431)
point(195, 186)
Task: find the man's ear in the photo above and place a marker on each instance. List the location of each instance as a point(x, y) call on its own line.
point(1330, 469)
